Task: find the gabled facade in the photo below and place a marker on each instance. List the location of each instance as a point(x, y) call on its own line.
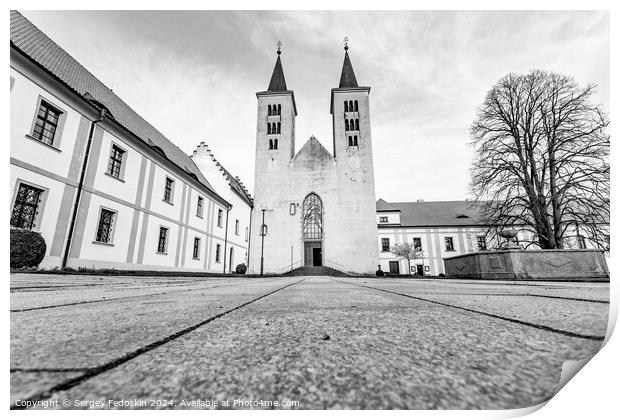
point(103, 187)
point(314, 207)
point(233, 224)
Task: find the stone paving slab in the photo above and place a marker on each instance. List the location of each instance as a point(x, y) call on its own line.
point(581, 317)
point(54, 296)
point(325, 343)
point(86, 335)
point(383, 351)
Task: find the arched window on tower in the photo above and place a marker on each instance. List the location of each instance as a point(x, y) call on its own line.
point(355, 103)
point(268, 128)
point(357, 124)
point(269, 110)
point(346, 106)
point(350, 140)
point(279, 128)
point(346, 125)
point(270, 144)
point(275, 144)
point(279, 109)
point(354, 140)
point(352, 124)
point(312, 225)
point(351, 106)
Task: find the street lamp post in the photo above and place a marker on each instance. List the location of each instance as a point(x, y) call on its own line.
point(262, 243)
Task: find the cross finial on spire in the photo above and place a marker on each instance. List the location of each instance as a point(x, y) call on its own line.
point(279, 45)
point(346, 43)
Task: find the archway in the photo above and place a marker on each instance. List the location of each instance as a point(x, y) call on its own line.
point(312, 230)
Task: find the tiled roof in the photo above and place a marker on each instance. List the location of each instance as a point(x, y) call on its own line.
point(436, 213)
point(277, 82)
point(28, 39)
point(347, 78)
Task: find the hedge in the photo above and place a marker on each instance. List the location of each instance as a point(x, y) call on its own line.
point(27, 248)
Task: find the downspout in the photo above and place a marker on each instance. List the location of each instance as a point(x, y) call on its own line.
point(226, 240)
point(80, 187)
point(249, 240)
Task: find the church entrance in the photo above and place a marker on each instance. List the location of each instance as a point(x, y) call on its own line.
point(312, 229)
point(313, 254)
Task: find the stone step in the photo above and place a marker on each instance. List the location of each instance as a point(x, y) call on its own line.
point(315, 271)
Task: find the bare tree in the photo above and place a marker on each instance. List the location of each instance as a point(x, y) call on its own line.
point(408, 251)
point(542, 159)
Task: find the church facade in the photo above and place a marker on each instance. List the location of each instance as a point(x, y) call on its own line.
point(314, 207)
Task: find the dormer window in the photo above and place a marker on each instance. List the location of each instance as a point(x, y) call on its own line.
point(383, 219)
point(462, 216)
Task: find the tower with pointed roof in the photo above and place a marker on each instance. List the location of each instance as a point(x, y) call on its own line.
point(313, 207)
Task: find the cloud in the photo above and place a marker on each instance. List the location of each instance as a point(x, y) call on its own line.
point(193, 75)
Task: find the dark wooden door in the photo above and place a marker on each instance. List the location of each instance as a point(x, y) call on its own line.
point(420, 269)
point(317, 257)
point(394, 267)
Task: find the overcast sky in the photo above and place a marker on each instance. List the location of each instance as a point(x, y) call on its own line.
point(193, 75)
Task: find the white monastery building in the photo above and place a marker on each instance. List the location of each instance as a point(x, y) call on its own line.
point(103, 187)
point(313, 207)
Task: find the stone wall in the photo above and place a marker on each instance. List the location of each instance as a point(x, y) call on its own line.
point(564, 264)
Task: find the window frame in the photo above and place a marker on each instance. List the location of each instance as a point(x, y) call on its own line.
point(112, 231)
point(36, 224)
point(166, 240)
point(121, 171)
point(446, 240)
point(220, 217)
point(385, 241)
point(484, 240)
point(60, 124)
point(237, 227)
point(196, 248)
point(218, 253)
point(383, 219)
point(171, 201)
point(419, 241)
point(200, 206)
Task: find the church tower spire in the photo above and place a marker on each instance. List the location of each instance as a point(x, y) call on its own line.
point(347, 77)
point(277, 82)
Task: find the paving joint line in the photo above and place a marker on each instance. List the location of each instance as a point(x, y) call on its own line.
point(85, 302)
point(90, 373)
point(503, 318)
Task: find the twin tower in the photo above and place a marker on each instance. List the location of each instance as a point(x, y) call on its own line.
point(313, 207)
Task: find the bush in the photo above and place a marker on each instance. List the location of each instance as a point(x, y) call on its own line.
point(241, 268)
point(27, 248)
point(442, 275)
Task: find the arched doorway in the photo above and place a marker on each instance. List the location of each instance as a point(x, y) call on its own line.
point(312, 230)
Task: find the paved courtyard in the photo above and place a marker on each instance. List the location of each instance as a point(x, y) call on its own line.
point(309, 342)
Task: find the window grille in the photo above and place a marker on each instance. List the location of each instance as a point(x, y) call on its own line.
point(312, 217)
point(26, 207)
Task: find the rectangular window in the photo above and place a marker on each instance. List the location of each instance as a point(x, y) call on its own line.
point(46, 123)
point(581, 242)
point(162, 244)
point(199, 207)
point(383, 219)
point(220, 215)
point(449, 243)
point(417, 244)
point(218, 253)
point(385, 244)
point(246, 233)
point(237, 227)
point(482, 243)
point(104, 229)
point(116, 161)
point(196, 253)
point(26, 207)
point(168, 190)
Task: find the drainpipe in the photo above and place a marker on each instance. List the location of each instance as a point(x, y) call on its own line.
point(78, 195)
point(249, 240)
point(226, 240)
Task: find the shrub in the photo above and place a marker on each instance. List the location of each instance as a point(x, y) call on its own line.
point(27, 248)
point(442, 275)
point(241, 268)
